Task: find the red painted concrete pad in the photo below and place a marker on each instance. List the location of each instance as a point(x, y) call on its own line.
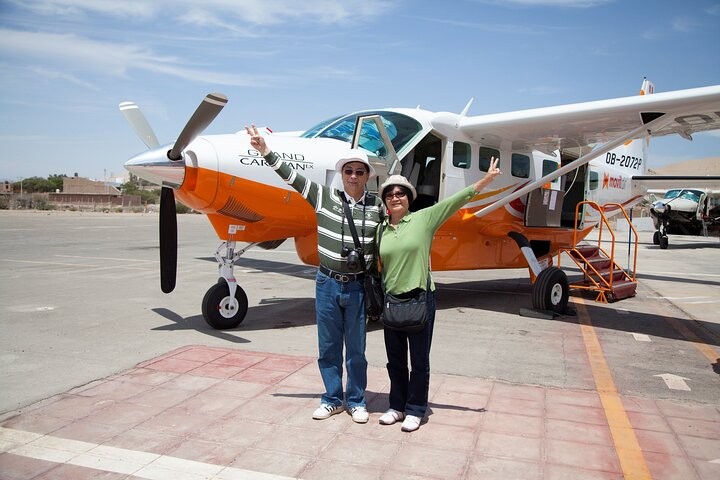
point(203, 412)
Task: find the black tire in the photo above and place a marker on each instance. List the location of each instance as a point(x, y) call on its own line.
point(664, 242)
point(656, 238)
point(551, 291)
point(211, 306)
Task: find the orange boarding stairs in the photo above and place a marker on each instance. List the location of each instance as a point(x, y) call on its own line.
point(600, 272)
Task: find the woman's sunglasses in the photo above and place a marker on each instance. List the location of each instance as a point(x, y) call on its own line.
point(390, 196)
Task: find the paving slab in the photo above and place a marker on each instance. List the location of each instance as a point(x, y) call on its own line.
point(184, 415)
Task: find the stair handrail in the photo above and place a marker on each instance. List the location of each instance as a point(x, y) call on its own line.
point(634, 231)
point(603, 220)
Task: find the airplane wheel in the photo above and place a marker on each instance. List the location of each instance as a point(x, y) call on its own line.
point(656, 238)
point(664, 242)
point(220, 311)
point(551, 290)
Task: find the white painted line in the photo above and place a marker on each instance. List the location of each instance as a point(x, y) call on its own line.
point(107, 258)
point(717, 460)
point(674, 382)
point(686, 274)
point(641, 337)
point(119, 460)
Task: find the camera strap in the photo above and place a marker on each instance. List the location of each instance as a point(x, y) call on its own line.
point(351, 225)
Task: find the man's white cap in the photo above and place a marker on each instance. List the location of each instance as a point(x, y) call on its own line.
point(400, 181)
point(354, 155)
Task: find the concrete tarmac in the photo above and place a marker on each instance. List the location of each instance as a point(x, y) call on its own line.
point(80, 301)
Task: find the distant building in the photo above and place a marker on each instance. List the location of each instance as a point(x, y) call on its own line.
point(6, 187)
point(85, 192)
point(84, 186)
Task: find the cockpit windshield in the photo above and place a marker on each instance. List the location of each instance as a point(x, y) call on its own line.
point(693, 195)
point(400, 128)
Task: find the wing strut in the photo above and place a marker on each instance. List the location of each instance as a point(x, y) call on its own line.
point(587, 158)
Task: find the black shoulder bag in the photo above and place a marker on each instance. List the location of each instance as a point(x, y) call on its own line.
point(406, 312)
point(373, 289)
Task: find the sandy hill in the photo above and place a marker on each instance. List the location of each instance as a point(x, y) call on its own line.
point(703, 166)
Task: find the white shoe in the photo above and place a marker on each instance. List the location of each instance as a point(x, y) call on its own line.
point(411, 423)
point(326, 411)
point(391, 416)
point(359, 414)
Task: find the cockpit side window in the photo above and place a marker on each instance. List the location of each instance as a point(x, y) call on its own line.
point(400, 128)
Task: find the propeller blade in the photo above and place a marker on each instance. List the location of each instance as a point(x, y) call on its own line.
point(206, 112)
point(137, 121)
point(168, 240)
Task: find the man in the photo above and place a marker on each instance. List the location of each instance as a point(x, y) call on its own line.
point(339, 293)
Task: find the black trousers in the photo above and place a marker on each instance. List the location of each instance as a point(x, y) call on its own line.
point(409, 387)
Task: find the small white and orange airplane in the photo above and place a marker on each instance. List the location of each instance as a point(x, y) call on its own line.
point(565, 170)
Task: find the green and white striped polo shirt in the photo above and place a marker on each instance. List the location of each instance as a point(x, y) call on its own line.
point(333, 230)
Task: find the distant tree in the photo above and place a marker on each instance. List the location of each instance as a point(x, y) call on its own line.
point(56, 181)
point(33, 185)
point(130, 188)
point(150, 196)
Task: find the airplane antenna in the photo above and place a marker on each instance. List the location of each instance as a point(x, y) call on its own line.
point(465, 110)
point(467, 107)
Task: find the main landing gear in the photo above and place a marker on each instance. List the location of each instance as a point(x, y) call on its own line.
point(551, 289)
point(225, 304)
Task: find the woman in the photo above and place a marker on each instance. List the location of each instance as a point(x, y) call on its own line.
point(404, 258)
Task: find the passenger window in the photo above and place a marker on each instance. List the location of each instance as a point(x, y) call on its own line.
point(461, 155)
point(594, 180)
point(549, 167)
point(520, 165)
point(485, 155)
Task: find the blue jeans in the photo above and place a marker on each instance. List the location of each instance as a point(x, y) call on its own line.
point(409, 388)
point(340, 314)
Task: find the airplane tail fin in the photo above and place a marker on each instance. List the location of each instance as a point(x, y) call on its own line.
point(647, 87)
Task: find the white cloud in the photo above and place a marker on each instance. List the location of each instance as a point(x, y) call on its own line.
point(490, 26)
point(253, 12)
point(684, 24)
point(73, 53)
point(550, 3)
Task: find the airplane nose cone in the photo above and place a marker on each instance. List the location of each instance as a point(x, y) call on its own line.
point(154, 166)
point(659, 207)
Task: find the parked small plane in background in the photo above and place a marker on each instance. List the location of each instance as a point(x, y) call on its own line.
point(566, 168)
point(684, 211)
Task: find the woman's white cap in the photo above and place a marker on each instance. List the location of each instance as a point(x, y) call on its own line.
point(401, 181)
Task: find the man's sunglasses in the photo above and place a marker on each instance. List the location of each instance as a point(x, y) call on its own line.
point(358, 173)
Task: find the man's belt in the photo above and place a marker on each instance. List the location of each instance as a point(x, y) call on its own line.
point(342, 277)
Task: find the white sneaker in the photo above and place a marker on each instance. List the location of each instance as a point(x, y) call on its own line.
point(411, 423)
point(359, 414)
point(326, 411)
point(391, 416)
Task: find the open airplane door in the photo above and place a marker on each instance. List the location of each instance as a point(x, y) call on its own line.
point(371, 135)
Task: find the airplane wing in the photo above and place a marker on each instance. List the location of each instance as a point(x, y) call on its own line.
point(662, 183)
point(585, 124)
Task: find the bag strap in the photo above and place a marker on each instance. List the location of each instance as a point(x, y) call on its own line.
point(353, 230)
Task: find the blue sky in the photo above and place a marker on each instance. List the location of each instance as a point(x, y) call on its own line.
point(67, 64)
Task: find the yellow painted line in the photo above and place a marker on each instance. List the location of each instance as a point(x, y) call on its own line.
point(627, 447)
point(709, 352)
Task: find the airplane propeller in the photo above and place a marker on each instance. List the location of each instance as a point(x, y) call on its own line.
point(205, 113)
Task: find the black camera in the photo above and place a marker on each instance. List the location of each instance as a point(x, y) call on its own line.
point(353, 257)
